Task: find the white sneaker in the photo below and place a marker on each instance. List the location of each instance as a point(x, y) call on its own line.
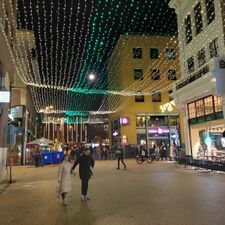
point(82, 198)
point(87, 198)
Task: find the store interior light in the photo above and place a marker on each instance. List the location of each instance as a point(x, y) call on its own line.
point(91, 76)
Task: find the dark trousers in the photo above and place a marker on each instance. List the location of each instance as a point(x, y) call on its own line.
point(84, 186)
point(121, 161)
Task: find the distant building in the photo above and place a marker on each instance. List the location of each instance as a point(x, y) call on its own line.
point(200, 90)
point(144, 67)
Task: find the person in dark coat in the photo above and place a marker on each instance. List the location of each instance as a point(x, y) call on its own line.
point(119, 153)
point(85, 161)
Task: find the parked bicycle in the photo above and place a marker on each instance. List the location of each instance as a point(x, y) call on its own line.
point(140, 159)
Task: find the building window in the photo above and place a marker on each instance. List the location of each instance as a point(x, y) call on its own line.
point(140, 121)
point(172, 74)
point(140, 97)
point(210, 10)
point(198, 18)
point(201, 57)
point(138, 74)
point(170, 97)
point(155, 74)
point(200, 110)
point(188, 30)
point(208, 102)
point(137, 53)
point(170, 53)
point(191, 110)
point(213, 48)
point(154, 53)
point(157, 97)
point(191, 64)
point(218, 104)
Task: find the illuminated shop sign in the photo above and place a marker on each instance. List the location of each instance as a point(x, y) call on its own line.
point(124, 120)
point(4, 96)
point(115, 133)
point(158, 131)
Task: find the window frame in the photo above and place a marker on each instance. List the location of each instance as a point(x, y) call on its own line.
point(136, 71)
point(198, 18)
point(135, 56)
point(153, 53)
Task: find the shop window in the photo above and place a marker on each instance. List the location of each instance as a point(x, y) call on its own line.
point(138, 74)
point(157, 121)
point(172, 74)
point(139, 98)
point(200, 110)
point(174, 121)
point(157, 97)
point(218, 104)
point(170, 53)
point(188, 30)
point(154, 53)
point(213, 48)
point(201, 57)
point(137, 53)
point(210, 10)
point(198, 18)
point(191, 110)
point(140, 121)
point(155, 74)
point(208, 102)
point(191, 64)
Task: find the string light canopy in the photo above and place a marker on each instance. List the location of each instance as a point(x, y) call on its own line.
point(74, 43)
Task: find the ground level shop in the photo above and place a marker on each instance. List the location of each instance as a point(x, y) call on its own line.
point(206, 126)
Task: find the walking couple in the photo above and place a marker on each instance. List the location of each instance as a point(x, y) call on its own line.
point(86, 162)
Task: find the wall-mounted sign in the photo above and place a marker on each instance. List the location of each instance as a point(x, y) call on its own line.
point(168, 106)
point(17, 112)
point(124, 120)
point(4, 96)
point(158, 131)
point(115, 133)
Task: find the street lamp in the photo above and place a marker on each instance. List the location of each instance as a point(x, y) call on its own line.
point(91, 76)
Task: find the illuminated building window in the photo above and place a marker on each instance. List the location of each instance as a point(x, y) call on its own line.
point(218, 104)
point(198, 18)
point(154, 53)
point(210, 10)
point(155, 74)
point(208, 102)
point(138, 74)
point(170, 97)
point(191, 64)
point(191, 110)
point(201, 57)
point(172, 74)
point(188, 30)
point(199, 108)
point(137, 53)
point(213, 48)
point(170, 53)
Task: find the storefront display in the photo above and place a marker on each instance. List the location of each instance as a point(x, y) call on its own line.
point(206, 127)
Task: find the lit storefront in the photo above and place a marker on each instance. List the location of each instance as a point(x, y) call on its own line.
point(157, 128)
point(206, 126)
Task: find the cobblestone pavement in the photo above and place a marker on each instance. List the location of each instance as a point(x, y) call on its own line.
point(147, 194)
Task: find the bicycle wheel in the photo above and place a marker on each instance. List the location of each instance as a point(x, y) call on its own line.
point(139, 160)
point(149, 159)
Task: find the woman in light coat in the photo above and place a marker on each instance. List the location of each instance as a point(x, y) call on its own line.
point(64, 178)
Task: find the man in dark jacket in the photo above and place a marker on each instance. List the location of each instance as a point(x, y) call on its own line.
point(119, 153)
point(85, 161)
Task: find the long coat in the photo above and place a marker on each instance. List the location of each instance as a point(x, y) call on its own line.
point(64, 177)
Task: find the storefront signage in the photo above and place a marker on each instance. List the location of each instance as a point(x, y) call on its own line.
point(115, 133)
point(158, 131)
point(168, 106)
point(17, 112)
point(4, 96)
point(124, 120)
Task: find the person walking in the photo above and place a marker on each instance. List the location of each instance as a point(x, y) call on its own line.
point(120, 156)
point(85, 161)
point(64, 178)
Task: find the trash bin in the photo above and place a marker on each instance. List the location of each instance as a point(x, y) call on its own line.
point(46, 157)
point(57, 157)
